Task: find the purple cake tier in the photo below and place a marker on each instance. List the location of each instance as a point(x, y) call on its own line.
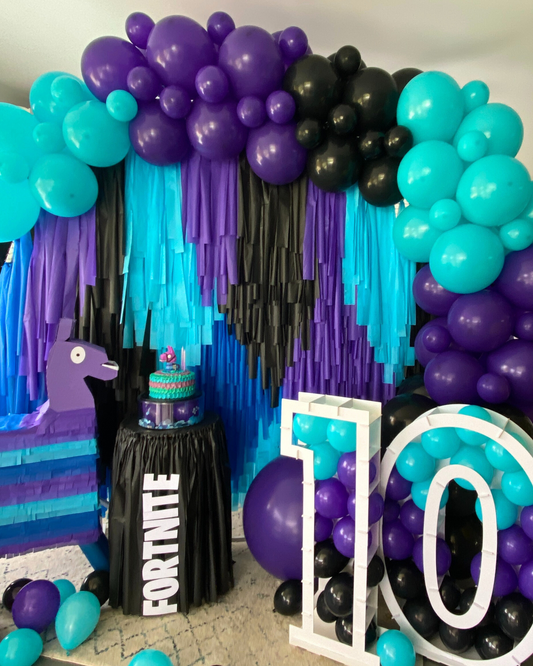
point(165, 414)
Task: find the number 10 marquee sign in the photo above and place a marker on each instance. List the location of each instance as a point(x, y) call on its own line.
point(510, 440)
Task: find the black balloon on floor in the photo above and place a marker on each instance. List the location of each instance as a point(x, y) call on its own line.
point(456, 640)
point(403, 76)
point(374, 95)
point(466, 601)
point(491, 642)
point(464, 537)
point(397, 141)
point(342, 119)
point(407, 581)
point(323, 611)
point(328, 560)
point(514, 615)
point(421, 616)
point(375, 571)
point(97, 582)
point(12, 590)
point(414, 384)
point(288, 598)
point(449, 593)
point(335, 165)
point(315, 85)
point(347, 60)
point(461, 502)
point(400, 412)
point(309, 133)
point(378, 182)
point(344, 629)
point(338, 594)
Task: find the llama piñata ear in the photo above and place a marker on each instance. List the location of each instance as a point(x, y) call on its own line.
point(64, 329)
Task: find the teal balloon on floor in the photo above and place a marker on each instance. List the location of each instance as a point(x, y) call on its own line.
point(517, 487)
point(414, 464)
point(472, 437)
point(342, 435)
point(475, 93)
point(150, 658)
point(395, 649)
point(500, 124)
point(506, 511)
point(474, 458)
point(76, 619)
point(66, 589)
point(413, 234)
point(441, 443)
point(19, 211)
point(21, 647)
point(310, 429)
point(326, 459)
point(419, 493)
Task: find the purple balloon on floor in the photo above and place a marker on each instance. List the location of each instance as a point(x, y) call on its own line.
point(397, 541)
point(398, 488)
point(452, 377)
point(323, 527)
point(344, 536)
point(36, 605)
point(444, 556)
point(514, 546)
point(274, 154)
point(331, 498)
point(430, 295)
point(505, 580)
point(156, 138)
point(412, 517)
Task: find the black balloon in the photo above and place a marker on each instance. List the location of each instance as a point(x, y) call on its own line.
point(288, 597)
point(461, 502)
point(342, 119)
point(466, 601)
point(378, 183)
point(450, 593)
point(514, 615)
point(328, 560)
point(371, 144)
point(400, 412)
point(464, 537)
point(344, 629)
point(323, 611)
point(403, 76)
point(335, 165)
point(491, 642)
point(338, 594)
point(347, 60)
point(309, 133)
point(421, 616)
point(373, 94)
point(12, 590)
point(456, 640)
point(515, 415)
point(315, 86)
point(375, 571)
point(371, 634)
point(414, 384)
point(406, 580)
point(398, 140)
point(97, 582)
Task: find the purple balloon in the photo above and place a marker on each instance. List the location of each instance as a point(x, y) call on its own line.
point(272, 518)
point(175, 102)
point(505, 580)
point(215, 130)
point(376, 506)
point(344, 536)
point(280, 107)
point(106, 63)
point(514, 546)
point(252, 60)
point(143, 84)
point(251, 112)
point(398, 488)
point(274, 154)
point(525, 580)
point(157, 138)
point(391, 511)
point(514, 361)
point(212, 84)
point(444, 556)
point(293, 43)
point(423, 355)
point(323, 527)
point(429, 294)
point(412, 517)
point(526, 520)
point(436, 339)
point(351, 504)
point(452, 377)
point(177, 49)
point(36, 605)
point(516, 279)
point(346, 470)
point(493, 389)
point(331, 498)
point(397, 541)
point(219, 26)
point(138, 28)
point(524, 326)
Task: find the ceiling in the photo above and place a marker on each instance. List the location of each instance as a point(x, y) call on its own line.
point(470, 39)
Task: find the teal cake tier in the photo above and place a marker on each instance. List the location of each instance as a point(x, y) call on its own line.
point(170, 385)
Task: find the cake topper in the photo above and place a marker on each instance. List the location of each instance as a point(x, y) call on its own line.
point(169, 358)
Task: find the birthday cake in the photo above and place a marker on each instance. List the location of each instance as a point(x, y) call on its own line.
point(172, 385)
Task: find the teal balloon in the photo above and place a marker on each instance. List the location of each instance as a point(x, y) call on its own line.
point(431, 106)
point(494, 190)
point(527, 213)
point(413, 234)
point(506, 511)
point(415, 464)
point(517, 487)
point(47, 108)
point(445, 214)
point(66, 589)
point(393, 647)
point(429, 172)
point(475, 93)
point(474, 458)
point(310, 429)
point(68, 91)
point(150, 658)
point(16, 133)
point(21, 647)
point(76, 619)
point(441, 443)
point(63, 185)
point(472, 146)
point(19, 210)
point(419, 494)
point(13, 168)
point(325, 459)
point(500, 124)
point(500, 458)
point(94, 137)
point(471, 437)
point(342, 435)
point(517, 235)
point(466, 259)
point(122, 105)
point(49, 137)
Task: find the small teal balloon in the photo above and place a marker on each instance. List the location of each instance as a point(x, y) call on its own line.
point(326, 459)
point(500, 458)
point(517, 235)
point(475, 93)
point(419, 494)
point(494, 190)
point(414, 464)
point(506, 511)
point(441, 443)
point(76, 619)
point(21, 647)
point(16, 133)
point(66, 589)
point(413, 234)
point(19, 211)
point(472, 146)
point(517, 487)
point(470, 436)
point(394, 648)
point(13, 168)
point(310, 429)
point(342, 435)
point(45, 107)
point(122, 106)
point(431, 106)
point(94, 137)
point(429, 172)
point(150, 658)
point(445, 214)
point(500, 124)
point(49, 137)
point(68, 91)
point(466, 259)
point(474, 458)
point(63, 185)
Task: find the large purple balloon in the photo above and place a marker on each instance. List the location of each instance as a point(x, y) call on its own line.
point(452, 377)
point(516, 279)
point(398, 488)
point(505, 580)
point(444, 556)
point(252, 60)
point(412, 517)
point(177, 49)
point(344, 536)
point(106, 63)
point(514, 546)
point(274, 154)
point(331, 498)
point(158, 139)
point(272, 518)
point(143, 83)
point(36, 605)
point(430, 295)
point(514, 361)
point(397, 541)
point(215, 130)
point(346, 470)
point(138, 28)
